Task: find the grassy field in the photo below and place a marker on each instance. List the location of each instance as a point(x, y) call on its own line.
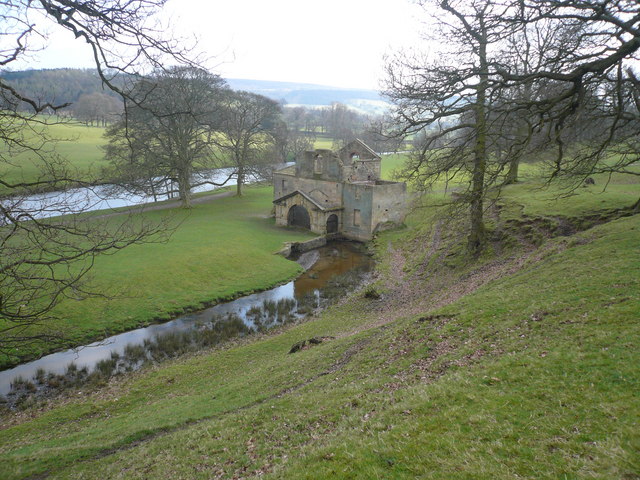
point(220, 250)
point(521, 365)
point(323, 142)
point(391, 164)
point(79, 145)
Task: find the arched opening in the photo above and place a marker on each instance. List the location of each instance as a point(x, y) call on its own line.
point(332, 223)
point(299, 217)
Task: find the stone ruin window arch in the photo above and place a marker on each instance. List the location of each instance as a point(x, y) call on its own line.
point(298, 216)
point(317, 164)
point(332, 223)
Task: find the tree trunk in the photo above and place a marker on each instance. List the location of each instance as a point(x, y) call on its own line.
point(512, 173)
point(522, 137)
point(184, 188)
point(153, 190)
point(477, 234)
point(240, 182)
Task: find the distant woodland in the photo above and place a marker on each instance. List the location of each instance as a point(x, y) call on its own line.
point(81, 89)
point(312, 109)
point(90, 102)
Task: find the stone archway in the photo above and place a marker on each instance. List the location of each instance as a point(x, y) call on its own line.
point(332, 223)
point(299, 217)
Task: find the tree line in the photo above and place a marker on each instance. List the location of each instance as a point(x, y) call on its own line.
point(181, 122)
point(510, 80)
point(80, 89)
point(90, 102)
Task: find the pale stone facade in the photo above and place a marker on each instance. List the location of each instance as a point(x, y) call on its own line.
point(338, 193)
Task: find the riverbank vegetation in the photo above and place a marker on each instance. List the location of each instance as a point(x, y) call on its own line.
point(82, 148)
point(222, 249)
point(520, 363)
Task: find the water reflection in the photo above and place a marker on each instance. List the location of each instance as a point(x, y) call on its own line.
point(332, 271)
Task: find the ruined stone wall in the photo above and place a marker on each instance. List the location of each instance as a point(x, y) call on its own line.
point(364, 171)
point(356, 216)
point(316, 216)
point(356, 151)
point(320, 165)
point(349, 179)
point(285, 184)
point(388, 205)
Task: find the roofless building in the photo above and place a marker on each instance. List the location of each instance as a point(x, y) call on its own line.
point(339, 193)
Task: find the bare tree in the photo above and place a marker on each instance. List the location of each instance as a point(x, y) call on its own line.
point(450, 98)
point(343, 123)
point(167, 134)
point(290, 142)
point(98, 108)
point(44, 259)
point(587, 105)
point(513, 78)
point(246, 135)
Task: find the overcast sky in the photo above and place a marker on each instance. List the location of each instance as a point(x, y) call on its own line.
point(334, 42)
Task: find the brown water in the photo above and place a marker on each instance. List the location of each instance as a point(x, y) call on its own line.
point(331, 272)
point(333, 260)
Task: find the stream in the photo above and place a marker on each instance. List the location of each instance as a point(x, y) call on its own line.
point(331, 271)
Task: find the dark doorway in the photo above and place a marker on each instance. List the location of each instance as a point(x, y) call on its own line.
point(332, 224)
point(299, 217)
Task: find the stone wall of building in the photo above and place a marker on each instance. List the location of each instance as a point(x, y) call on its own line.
point(320, 165)
point(317, 217)
point(331, 191)
point(356, 216)
point(345, 184)
point(388, 205)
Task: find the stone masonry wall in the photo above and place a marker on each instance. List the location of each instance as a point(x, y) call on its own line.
point(388, 204)
point(357, 225)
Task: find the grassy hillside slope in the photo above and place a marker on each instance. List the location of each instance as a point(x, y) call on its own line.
point(520, 365)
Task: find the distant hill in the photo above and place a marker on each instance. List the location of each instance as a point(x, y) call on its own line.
point(65, 85)
point(312, 95)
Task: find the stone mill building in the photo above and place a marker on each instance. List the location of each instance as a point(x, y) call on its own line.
point(338, 193)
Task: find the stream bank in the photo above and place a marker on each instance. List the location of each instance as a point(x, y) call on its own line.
point(331, 271)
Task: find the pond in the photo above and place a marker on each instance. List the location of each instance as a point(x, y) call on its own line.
point(331, 271)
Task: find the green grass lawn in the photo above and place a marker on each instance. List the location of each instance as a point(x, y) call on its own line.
point(521, 366)
point(79, 145)
point(323, 142)
point(391, 164)
point(220, 250)
point(535, 198)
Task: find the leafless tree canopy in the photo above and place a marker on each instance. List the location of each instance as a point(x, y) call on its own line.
point(166, 135)
point(511, 79)
point(45, 258)
point(248, 125)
